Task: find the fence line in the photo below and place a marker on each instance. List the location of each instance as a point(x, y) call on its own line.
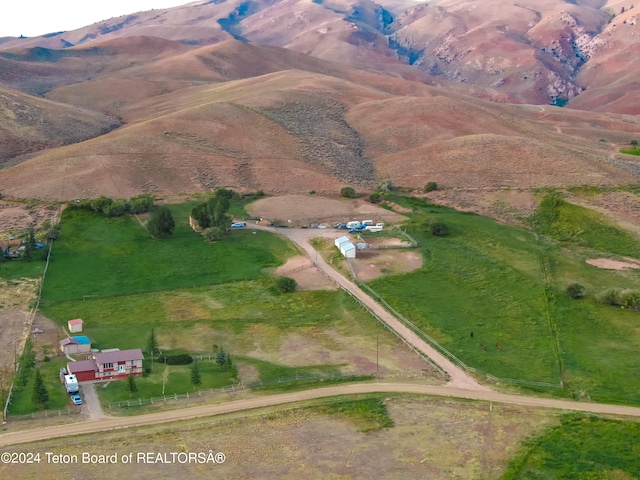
point(45, 414)
point(404, 233)
point(236, 388)
point(298, 269)
point(31, 317)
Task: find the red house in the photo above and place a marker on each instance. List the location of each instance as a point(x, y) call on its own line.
point(118, 364)
point(113, 365)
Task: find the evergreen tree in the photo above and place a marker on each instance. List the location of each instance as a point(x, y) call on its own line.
point(221, 358)
point(152, 344)
point(30, 245)
point(196, 379)
point(131, 385)
point(40, 393)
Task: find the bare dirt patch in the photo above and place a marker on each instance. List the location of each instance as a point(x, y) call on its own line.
point(612, 264)
point(15, 297)
point(370, 264)
point(15, 217)
point(46, 343)
point(307, 209)
point(305, 273)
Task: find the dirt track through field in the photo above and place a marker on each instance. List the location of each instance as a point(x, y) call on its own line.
point(285, 398)
point(458, 377)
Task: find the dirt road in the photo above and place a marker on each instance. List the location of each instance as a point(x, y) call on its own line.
point(459, 378)
point(284, 398)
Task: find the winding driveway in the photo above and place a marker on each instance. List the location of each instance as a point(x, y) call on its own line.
point(458, 377)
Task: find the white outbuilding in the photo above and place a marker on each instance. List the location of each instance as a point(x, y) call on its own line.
point(348, 250)
point(341, 240)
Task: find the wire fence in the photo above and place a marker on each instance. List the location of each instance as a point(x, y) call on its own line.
point(240, 387)
point(31, 317)
point(44, 414)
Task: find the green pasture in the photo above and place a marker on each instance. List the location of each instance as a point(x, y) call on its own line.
point(581, 447)
point(101, 257)
point(506, 286)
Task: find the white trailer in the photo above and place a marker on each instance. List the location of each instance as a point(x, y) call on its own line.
point(373, 228)
point(71, 383)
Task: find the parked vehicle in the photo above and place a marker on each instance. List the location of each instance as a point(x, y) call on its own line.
point(355, 230)
point(373, 228)
point(354, 224)
point(238, 224)
point(76, 399)
point(71, 383)
point(366, 223)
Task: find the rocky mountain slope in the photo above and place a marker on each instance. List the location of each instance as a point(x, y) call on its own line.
point(527, 51)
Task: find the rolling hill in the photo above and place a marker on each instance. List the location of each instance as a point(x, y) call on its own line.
point(235, 94)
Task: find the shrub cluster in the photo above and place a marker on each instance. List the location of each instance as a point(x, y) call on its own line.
point(114, 208)
point(178, 359)
point(629, 299)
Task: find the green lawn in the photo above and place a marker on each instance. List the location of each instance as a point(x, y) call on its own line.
point(176, 380)
point(100, 257)
point(12, 269)
point(21, 402)
point(582, 447)
point(488, 278)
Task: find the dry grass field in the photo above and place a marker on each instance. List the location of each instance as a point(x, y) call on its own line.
point(432, 438)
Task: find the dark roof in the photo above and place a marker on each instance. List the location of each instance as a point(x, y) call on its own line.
point(119, 356)
point(82, 366)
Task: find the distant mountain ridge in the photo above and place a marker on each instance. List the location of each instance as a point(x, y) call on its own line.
point(527, 51)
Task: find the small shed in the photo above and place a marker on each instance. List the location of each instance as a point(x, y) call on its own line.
point(75, 326)
point(75, 345)
point(341, 240)
point(348, 250)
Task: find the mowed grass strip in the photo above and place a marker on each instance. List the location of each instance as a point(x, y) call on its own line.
point(101, 257)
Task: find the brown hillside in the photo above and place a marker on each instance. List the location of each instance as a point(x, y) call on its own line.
point(29, 124)
point(295, 131)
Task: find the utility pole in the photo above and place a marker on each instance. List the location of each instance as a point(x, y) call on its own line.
point(377, 353)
